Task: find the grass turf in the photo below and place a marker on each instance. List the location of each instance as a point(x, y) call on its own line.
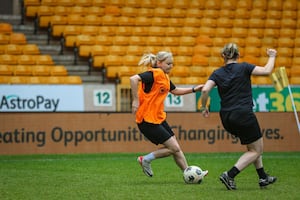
point(118, 176)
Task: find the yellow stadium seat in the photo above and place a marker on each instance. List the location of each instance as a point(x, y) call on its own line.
point(31, 11)
point(181, 71)
point(131, 60)
point(5, 80)
point(95, 10)
point(257, 23)
point(140, 30)
point(215, 61)
point(32, 2)
point(271, 32)
point(140, 40)
point(121, 40)
point(4, 39)
point(45, 10)
point(240, 23)
point(199, 71)
point(30, 49)
point(146, 12)
point(261, 80)
point(215, 51)
point(41, 70)
point(26, 59)
point(195, 80)
point(129, 11)
point(224, 22)
point(285, 51)
point(84, 40)
point(239, 41)
point(8, 59)
point(161, 12)
point(49, 2)
point(287, 32)
point(269, 41)
point(272, 23)
point(13, 49)
point(284, 61)
point(239, 32)
point(18, 80)
point(201, 49)
point(286, 42)
point(258, 13)
point(253, 41)
point(185, 50)
point(86, 3)
point(44, 60)
point(252, 51)
point(182, 60)
point(154, 40)
point(274, 5)
point(242, 13)
point(133, 3)
point(74, 80)
point(6, 70)
point(61, 10)
point(223, 32)
point(156, 31)
point(92, 19)
point(148, 4)
point(178, 80)
point(113, 60)
point(89, 30)
point(112, 10)
point(23, 70)
point(187, 41)
point(213, 4)
point(75, 19)
point(190, 31)
point(18, 38)
point(124, 30)
point(109, 20)
point(160, 21)
point(58, 70)
point(295, 80)
point(173, 31)
point(135, 50)
point(175, 22)
point(288, 23)
point(197, 4)
point(126, 21)
point(66, 3)
point(260, 4)
point(117, 50)
point(178, 13)
point(220, 41)
point(5, 28)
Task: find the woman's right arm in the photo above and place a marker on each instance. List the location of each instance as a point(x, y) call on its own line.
point(268, 68)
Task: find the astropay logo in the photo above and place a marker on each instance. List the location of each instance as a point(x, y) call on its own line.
point(37, 103)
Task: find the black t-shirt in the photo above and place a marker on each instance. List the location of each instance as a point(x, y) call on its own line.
point(234, 86)
point(147, 80)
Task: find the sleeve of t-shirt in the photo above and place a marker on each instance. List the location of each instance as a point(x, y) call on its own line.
point(172, 86)
point(249, 67)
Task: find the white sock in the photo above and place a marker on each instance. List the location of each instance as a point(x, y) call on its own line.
point(149, 157)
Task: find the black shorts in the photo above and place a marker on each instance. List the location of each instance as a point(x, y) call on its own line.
point(156, 133)
point(243, 124)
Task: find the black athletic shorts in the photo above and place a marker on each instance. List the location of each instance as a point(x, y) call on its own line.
point(156, 133)
point(243, 124)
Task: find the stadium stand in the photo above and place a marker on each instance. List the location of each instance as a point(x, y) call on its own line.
point(110, 32)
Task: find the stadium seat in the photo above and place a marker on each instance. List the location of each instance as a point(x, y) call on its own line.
point(146, 12)
point(41, 70)
point(185, 50)
point(109, 20)
point(219, 42)
point(120, 40)
point(257, 23)
point(228, 4)
point(6, 70)
point(239, 41)
point(201, 49)
point(199, 71)
point(7, 59)
point(187, 41)
point(215, 61)
point(272, 23)
point(89, 30)
point(58, 70)
point(5, 80)
point(126, 21)
point(178, 80)
point(45, 11)
point(128, 11)
point(224, 22)
point(223, 32)
point(190, 31)
point(32, 2)
point(258, 13)
point(213, 4)
point(5, 28)
point(160, 21)
point(61, 10)
point(288, 23)
point(274, 5)
point(135, 50)
point(30, 49)
point(49, 2)
point(274, 14)
point(95, 10)
point(156, 31)
point(181, 71)
point(260, 4)
point(240, 23)
point(239, 32)
point(141, 40)
point(242, 13)
point(104, 40)
point(26, 59)
point(154, 40)
point(13, 49)
point(173, 31)
point(4, 39)
point(92, 20)
point(175, 22)
point(286, 42)
point(287, 32)
point(253, 41)
point(178, 13)
point(75, 19)
point(18, 80)
point(113, 60)
point(256, 32)
point(284, 51)
point(271, 32)
point(22, 70)
point(74, 80)
point(195, 80)
point(66, 3)
point(117, 50)
point(182, 60)
point(208, 22)
point(44, 60)
point(161, 12)
point(131, 60)
point(18, 38)
point(86, 3)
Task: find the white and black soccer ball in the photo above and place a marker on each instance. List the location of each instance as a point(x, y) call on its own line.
point(193, 175)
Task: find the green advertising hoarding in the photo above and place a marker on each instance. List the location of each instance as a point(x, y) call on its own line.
point(265, 99)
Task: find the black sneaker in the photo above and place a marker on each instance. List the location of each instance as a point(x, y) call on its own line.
point(266, 181)
point(227, 181)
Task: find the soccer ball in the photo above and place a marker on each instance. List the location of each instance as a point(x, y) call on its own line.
point(193, 175)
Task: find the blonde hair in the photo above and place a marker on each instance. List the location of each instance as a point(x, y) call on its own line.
point(230, 51)
point(150, 59)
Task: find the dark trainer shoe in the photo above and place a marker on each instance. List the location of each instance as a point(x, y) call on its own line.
point(269, 180)
point(227, 181)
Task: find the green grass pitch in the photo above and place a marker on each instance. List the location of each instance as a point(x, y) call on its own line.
point(119, 176)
